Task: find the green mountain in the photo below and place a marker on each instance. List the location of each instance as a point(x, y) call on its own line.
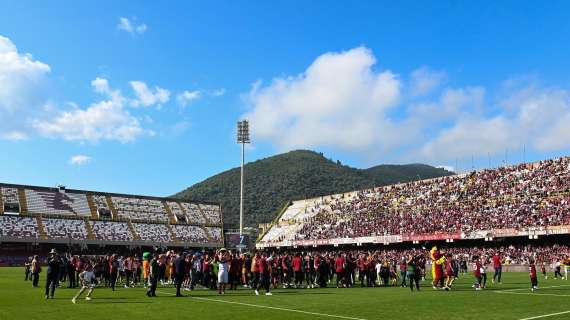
point(271, 182)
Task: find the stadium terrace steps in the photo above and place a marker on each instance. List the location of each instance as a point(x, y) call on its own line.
point(1, 202)
point(171, 217)
point(208, 221)
point(74, 216)
point(210, 238)
point(133, 231)
point(172, 235)
point(90, 234)
point(41, 229)
point(23, 201)
point(111, 207)
point(92, 206)
point(183, 210)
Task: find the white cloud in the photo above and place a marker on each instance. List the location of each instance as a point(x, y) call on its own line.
point(147, 97)
point(103, 120)
point(101, 85)
point(535, 117)
point(424, 81)
point(339, 101)
point(131, 27)
point(141, 28)
point(79, 160)
point(186, 97)
point(23, 82)
point(219, 92)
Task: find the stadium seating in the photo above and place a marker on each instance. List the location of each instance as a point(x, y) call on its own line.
point(65, 229)
point(523, 196)
point(18, 227)
point(187, 233)
point(140, 209)
point(215, 233)
point(33, 213)
point(212, 213)
point(193, 213)
point(152, 232)
point(10, 195)
point(54, 202)
point(111, 231)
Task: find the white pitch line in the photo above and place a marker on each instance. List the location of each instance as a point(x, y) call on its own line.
point(519, 289)
point(534, 294)
point(272, 308)
point(547, 315)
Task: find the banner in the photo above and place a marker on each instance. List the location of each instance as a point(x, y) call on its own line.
point(479, 234)
point(499, 233)
point(432, 237)
point(558, 229)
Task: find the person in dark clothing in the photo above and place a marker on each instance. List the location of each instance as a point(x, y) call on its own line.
point(179, 272)
point(71, 273)
point(153, 277)
point(413, 272)
point(52, 276)
point(113, 271)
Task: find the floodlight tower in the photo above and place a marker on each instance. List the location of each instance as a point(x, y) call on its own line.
point(242, 138)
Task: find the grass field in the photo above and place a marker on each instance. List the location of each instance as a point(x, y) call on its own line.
point(511, 300)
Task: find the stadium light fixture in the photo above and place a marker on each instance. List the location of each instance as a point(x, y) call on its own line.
point(243, 139)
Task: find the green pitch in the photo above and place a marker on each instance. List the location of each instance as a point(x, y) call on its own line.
point(511, 300)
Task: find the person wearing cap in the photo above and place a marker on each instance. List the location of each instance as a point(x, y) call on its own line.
point(52, 276)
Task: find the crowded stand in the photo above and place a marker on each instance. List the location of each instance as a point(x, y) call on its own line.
point(140, 209)
point(18, 227)
point(187, 233)
point(111, 231)
point(50, 202)
point(523, 199)
point(65, 229)
point(153, 232)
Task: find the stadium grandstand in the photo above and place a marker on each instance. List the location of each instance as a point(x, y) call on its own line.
point(41, 215)
point(527, 200)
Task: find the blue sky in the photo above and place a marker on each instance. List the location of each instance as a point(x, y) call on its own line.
point(142, 97)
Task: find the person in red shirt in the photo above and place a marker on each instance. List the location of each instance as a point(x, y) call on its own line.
point(543, 270)
point(264, 274)
point(361, 269)
point(498, 266)
point(532, 274)
point(339, 269)
point(449, 272)
point(297, 269)
point(477, 273)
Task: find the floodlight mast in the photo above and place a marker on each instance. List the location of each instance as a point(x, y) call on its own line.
point(242, 138)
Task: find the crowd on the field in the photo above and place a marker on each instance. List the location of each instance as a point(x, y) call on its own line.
point(221, 269)
point(517, 197)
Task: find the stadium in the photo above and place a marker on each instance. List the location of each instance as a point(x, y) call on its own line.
point(394, 160)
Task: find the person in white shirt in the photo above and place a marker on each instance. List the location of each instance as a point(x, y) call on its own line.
point(88, 282)
point(224, 268)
